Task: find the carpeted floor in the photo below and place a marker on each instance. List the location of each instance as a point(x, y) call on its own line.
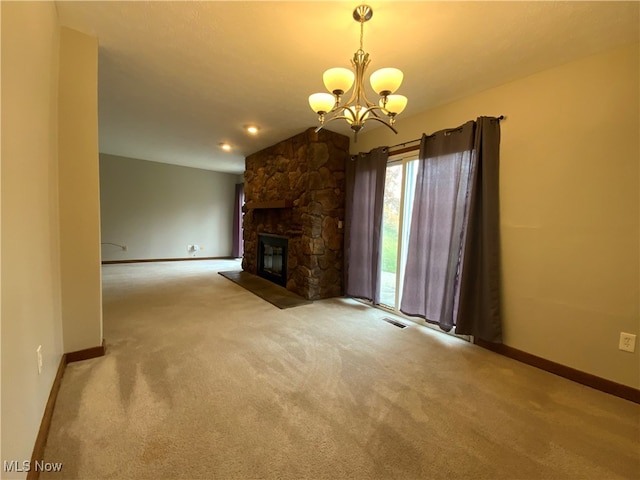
point(204, 380)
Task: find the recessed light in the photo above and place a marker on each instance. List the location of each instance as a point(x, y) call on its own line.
point(225, 146)
point(252, 129)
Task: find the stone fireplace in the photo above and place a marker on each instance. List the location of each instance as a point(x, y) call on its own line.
point(295, 192)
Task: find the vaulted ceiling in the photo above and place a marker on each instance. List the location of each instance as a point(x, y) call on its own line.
point(178, 78)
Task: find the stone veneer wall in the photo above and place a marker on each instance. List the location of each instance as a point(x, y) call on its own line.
point(304, 177)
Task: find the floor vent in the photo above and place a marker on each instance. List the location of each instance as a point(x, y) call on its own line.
point(394, 322)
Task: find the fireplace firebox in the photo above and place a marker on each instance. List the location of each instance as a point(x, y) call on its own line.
point(272, 258)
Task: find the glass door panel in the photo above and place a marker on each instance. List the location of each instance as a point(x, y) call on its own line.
point(399, 191)
point(390, 235)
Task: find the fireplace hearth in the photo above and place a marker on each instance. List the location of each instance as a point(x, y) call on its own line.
point(272, 258)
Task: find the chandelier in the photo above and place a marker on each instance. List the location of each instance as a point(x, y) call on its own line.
point(359, 108)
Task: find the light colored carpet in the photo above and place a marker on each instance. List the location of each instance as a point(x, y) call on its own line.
point(204, 380)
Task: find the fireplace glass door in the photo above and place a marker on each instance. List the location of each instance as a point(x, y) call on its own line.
point(272, 258)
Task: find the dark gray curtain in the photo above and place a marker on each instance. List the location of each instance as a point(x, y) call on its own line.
point(445, 255)
point(364, 201)
point(237, 249)
point(479, 300)
point(436, 230)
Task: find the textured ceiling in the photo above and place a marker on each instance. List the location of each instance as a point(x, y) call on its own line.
point(178, 78)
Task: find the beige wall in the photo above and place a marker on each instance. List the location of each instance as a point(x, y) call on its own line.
point(570, 155)
point(156, 210)
point(79, 191)
point(30, 268)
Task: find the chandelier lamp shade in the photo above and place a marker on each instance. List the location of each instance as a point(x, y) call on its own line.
point(358, 109)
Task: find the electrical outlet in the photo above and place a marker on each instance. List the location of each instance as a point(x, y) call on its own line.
point(627, 342)
point(39, 356)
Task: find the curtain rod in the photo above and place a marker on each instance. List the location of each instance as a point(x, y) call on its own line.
point(415, 147)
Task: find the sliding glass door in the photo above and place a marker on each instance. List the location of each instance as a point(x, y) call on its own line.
point(390, 234)
point(398, 202)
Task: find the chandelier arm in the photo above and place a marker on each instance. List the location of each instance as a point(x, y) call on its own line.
point(353, 96)
point(384, 123)
point(359, 63)
point(327, 120)
point(342, 117)
point(373, 110)
point(374, 117)
point(355, 89)
point(368, 102)
point(343, 108)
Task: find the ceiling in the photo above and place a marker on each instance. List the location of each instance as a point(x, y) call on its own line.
point(175, 79)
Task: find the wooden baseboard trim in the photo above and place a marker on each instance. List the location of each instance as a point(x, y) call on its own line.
point(86, 354)
point(43, 433)
point(593, 381)
point(151, 260)
point(41, 439)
